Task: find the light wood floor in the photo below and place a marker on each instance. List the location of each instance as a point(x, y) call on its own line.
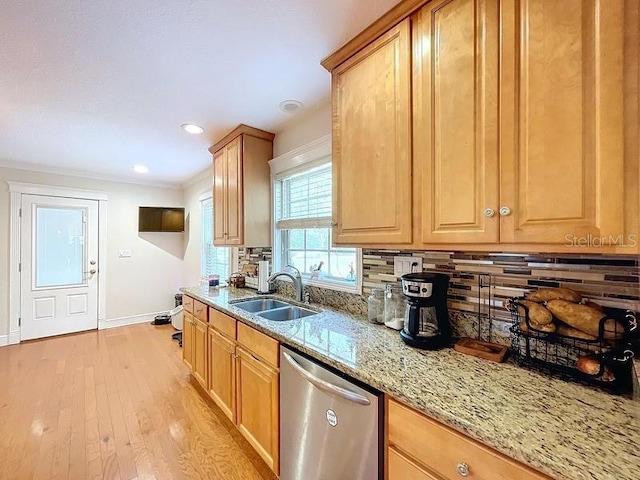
point(114, 404)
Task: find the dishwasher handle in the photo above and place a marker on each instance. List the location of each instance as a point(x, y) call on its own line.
point(326, 386)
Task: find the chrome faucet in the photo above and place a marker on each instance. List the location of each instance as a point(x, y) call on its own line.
point(297, 280)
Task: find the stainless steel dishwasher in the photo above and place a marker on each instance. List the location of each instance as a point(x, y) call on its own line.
point(330, 428)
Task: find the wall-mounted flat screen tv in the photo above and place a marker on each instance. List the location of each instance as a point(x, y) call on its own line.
point(160, 219)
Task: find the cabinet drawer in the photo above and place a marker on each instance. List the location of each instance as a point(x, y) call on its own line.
point(415, 434)
point(223, 323)
point(262, 345)
point(200, 311)
point(402, 468)
point(187, 303)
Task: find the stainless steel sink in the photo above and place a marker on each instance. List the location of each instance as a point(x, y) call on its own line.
point(286, 313)
point(260, 305)
point(275, 310)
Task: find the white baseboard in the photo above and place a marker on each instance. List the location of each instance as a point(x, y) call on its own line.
point(14, 337)
point(131, 320)
point(4, 340)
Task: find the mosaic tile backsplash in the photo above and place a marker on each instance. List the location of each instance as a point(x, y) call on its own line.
point(611, 281)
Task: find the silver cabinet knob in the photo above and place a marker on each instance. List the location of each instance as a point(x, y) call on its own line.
point(334, 224)
point(489, 212)
point(463, 469)
point(505, 211)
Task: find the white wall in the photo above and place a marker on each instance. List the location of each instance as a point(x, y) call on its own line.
point(193, 233)
point(302, 129)
point(142, 285)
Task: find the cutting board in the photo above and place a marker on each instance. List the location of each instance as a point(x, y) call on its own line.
point(481, 349)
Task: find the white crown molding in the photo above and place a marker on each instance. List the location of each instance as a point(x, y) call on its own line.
point(35, 167)
point(205, 195)
point(51, 191)
point(310, 152)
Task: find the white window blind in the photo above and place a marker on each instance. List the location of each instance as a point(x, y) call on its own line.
point(214, 260)
point(303, 200)
point(302, 203)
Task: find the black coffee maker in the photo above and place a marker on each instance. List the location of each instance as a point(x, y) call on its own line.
point(426, 318)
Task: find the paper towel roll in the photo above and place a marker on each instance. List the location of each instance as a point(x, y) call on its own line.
point(263, 274)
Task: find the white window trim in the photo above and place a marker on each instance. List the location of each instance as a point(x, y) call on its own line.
point(300, 159)
point(16, 190)
point(234, 255)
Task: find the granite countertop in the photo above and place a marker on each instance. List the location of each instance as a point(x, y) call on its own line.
point(566, 430)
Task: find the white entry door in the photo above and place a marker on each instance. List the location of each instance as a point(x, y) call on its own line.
point(59, 271)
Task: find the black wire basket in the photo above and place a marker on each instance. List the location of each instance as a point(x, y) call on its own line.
point(559, 355)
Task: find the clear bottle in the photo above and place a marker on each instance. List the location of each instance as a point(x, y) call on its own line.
point(394, 307)
point(375, 303)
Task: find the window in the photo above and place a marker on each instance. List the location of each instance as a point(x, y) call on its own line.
point(302, 204)
point(214, 260)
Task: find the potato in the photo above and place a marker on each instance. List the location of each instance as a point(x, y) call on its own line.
point(549, 328)
point(591, 304)
point(568, 331)
point(538, 315)
point(585, 319)
point(546, 294)
point(613, 330)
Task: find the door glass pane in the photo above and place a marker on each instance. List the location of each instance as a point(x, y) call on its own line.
point(59, 242)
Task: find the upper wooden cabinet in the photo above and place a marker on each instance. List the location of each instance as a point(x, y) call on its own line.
point(372, 142)
point(241, 188)
point(523, 127)
point(562, 120)
point(455, 120)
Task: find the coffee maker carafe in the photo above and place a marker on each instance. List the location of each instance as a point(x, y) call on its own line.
point(426, 319)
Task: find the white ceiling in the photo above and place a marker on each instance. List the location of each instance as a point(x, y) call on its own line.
point(100, 85)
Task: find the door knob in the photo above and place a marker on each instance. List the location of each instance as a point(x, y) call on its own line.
point(505, 211)
point(489, 212)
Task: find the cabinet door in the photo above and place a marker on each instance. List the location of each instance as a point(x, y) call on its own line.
point(402, 468)
point(415, 435)
point(257, 406)
point(234, 205)
point(372, 143)
point(219, 196)
point(222, 381)
point(455, 47)
point(187, 340)
point(562, 120)
point(200, 352)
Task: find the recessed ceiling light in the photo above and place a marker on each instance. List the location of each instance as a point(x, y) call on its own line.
point(192, 129)
point(291, 106)
point(140, 169)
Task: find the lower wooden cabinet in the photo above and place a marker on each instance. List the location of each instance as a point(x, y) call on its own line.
point(187, 339)
point(258, 404)
point(402, 467)
point(222, 372)
point(422, 448)
point(240, 373)
point(200, 352)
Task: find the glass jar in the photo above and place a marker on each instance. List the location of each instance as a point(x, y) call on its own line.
point(394, 306)
point(375, 302)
